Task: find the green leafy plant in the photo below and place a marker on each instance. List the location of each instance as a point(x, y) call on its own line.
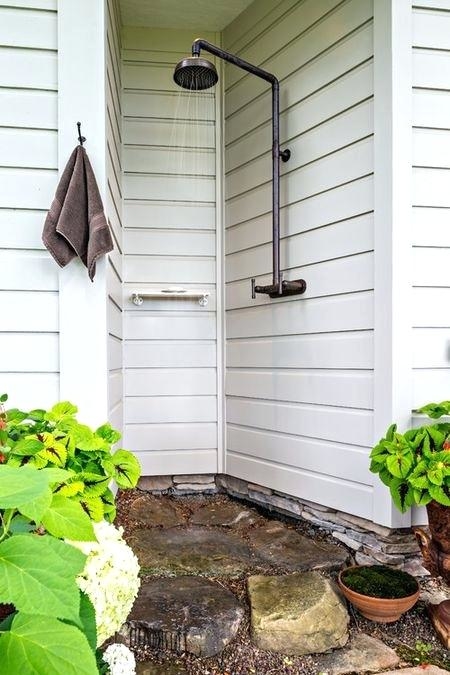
point(55, 440)
point(52, 629)
point(415, 465)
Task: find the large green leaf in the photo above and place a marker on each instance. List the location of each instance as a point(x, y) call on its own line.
point(35, 509)
point(56, 475)
point(402, 494)
point(85, 439)
point(438, 437)
point(390, 432)
point(37, 575)
point(95, 485)
point(109, 434)
point(87, 616)
point(400, 463)
point(45, 646)
point(435, 410)
point(19, 485)
point(66, 518)
point(27, 447)
point(418, 478)
point(93, 507)
point(440, 494)
point(15, 415)
point(126, 469)
point(60, 410)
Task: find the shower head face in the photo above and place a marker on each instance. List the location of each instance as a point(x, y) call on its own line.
point(195, 73)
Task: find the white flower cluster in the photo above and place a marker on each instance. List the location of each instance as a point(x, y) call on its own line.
point(110, 578)
point(120, 660)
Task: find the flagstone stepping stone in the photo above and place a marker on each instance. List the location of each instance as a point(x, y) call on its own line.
point(282, 546)
point(362, 654)
point(183, 614)
point(192, 550)
point(226, 514)
point(298, 613)
point(153, 512)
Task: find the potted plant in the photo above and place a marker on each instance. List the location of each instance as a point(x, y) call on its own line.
point(415, 465)
point(380, 593)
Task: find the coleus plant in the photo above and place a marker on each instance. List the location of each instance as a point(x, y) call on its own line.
point(415, 465)
point(54, 438)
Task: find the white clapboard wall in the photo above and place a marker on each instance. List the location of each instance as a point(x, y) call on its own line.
point(113, 207)
point(170, 354)
point(29, 325)
point(431, 200)
point(300, 370)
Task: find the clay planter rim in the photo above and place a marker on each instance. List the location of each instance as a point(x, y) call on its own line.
point(381, 610)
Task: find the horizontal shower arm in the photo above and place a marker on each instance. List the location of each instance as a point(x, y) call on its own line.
point(199, 44)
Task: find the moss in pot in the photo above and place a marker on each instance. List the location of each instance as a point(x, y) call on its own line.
point(380, 593)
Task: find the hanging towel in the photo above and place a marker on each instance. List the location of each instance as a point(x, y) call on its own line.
point(76, 224)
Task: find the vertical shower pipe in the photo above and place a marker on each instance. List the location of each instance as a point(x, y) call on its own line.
point(278, 287)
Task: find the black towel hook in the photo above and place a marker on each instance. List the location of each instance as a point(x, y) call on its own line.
point(80, 137)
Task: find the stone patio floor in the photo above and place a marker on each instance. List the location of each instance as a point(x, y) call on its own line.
point(227, 589)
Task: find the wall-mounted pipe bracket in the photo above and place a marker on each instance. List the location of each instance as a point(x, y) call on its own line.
point(284, 288)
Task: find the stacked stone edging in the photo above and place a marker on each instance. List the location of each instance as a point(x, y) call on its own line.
point(370, 543)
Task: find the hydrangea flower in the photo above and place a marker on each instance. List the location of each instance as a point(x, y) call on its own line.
point(110, 578)
point(120, 660)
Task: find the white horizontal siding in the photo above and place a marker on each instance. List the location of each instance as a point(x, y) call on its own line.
point(172, 436)
point(27, 27)
point(169, 185)
point(431, 212)
point(29, 337)
point(170, 382)
point(332, 277)
point(166, 354)
point(113, 206)
point(167, 326)
point(28, 69)
point(321, 315)
point(29, 311)
point(325, 350)
point(319, 422)
point(28, 109)
point(176, 462)
point(300, 370)
point(31, 389)
point(327, 243)
point(28, 148)
point(170, 409)
point(307, 454)
point(349, 389)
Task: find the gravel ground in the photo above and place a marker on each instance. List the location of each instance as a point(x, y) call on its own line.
point(241, 657)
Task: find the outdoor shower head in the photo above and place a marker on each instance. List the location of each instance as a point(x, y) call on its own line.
point(195, 73)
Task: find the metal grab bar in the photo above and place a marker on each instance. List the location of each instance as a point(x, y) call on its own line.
point(138, 297)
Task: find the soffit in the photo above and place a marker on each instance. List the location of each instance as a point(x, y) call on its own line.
point(211, 15)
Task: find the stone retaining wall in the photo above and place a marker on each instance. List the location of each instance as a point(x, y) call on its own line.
point(369, 542)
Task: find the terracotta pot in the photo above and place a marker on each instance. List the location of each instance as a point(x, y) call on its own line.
point(435, 546)
point(382, 610)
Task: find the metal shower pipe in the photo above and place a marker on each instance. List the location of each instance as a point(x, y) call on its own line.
point(279, 287)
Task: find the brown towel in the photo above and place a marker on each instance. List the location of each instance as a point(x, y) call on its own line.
point(76, 224)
